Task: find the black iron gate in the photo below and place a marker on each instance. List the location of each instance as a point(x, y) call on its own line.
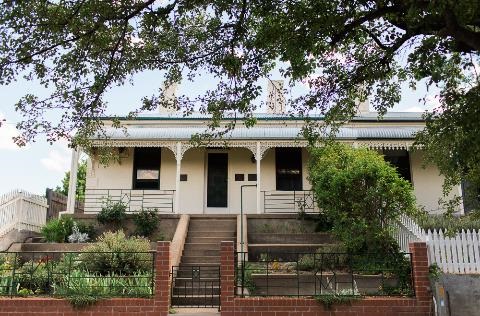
point(195, 286)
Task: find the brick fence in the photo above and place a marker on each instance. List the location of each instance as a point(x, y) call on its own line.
point(420, 305)
point(158, 305)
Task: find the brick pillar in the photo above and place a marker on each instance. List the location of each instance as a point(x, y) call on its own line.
point(420, 273)
point(162, 278)
point(227, 274)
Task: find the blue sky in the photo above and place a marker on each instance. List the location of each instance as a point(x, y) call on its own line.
point(40, 165)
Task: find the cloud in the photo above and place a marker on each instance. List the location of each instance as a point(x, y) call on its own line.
point(7, 132)
point(58, 160)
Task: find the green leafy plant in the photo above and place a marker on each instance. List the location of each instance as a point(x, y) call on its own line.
point(24, 292)
point(83, 288)
point(34, 276)
point(450, 224)
point(146, 222)
point(112, 213)
point(57, 230)
point(341, 297)
point(246, 279)
point(115, 253)
point(88, 229)
point(434, 272)
point(360, 194)
point(81, 300)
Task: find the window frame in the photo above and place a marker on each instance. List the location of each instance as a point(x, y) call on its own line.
point(295, 179)
point(136, 182)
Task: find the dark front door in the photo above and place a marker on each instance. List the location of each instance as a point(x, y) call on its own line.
point(217, 185)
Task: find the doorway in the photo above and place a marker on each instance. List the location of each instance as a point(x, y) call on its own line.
point(217, 180)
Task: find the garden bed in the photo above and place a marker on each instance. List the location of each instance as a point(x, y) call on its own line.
point(290, 238)
point(166, 227)
point(310, 284)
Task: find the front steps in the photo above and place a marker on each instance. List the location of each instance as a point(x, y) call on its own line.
point(197, 280)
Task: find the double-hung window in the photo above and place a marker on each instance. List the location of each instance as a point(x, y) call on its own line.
point(146, 168)
point(288, 165)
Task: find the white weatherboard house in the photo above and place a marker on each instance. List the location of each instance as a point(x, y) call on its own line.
point(264, 168)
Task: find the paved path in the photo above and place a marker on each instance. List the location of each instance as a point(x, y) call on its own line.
point(196, 312)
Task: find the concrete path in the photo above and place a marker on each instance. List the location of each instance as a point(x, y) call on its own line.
point(196, 312)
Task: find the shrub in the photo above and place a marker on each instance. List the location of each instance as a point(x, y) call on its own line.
point(34, 276)
point(115, 253)
point(57, 230)
point(112, 213)
point(146, 222)
point(450, 224)
point(88, 229)
point(328, 257)
point(77, 236)
point(360, 194)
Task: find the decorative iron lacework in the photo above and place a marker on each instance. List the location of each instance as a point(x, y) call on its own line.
point(250, 145)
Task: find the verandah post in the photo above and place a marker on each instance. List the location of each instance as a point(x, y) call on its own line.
point(72, 185)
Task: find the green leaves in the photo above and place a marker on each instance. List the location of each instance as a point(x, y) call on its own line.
point(80, 49)
point(361, 194)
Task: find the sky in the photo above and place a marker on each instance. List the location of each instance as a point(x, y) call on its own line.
point(41, 165)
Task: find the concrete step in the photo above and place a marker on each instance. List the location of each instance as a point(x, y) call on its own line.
point(200, 246)
point(37, 239)
point(204, 252)
point(204, 288)
point(197, 269)
point(204, 281)
point(212, 225)
point(212, 233)
point(196, 311)
point(200, 259)
point(209, 240)
point(196, 300)
point(16, 246)
point(205, 276)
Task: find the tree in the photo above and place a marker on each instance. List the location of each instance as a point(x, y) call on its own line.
point(345, 50)
point(81, 182)
point(361, 195)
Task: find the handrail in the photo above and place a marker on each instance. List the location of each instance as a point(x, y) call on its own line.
point(162, 200)
point(289, 201)
point(242, 242)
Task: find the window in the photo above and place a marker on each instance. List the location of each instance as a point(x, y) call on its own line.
point(239, 177)
point(146, 168)
point(252, 177)
point(400, 160)
point(288, 164)
point(470, 196)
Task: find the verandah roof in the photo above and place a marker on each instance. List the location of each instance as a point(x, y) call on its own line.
point(257, 133)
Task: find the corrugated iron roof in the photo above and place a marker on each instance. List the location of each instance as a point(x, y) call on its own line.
point(370, 116)
point(185, 133)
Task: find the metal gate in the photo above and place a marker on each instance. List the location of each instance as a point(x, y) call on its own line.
point(195, 286)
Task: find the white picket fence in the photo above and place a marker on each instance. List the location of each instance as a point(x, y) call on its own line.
point(459, 254)
point(22, 211)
